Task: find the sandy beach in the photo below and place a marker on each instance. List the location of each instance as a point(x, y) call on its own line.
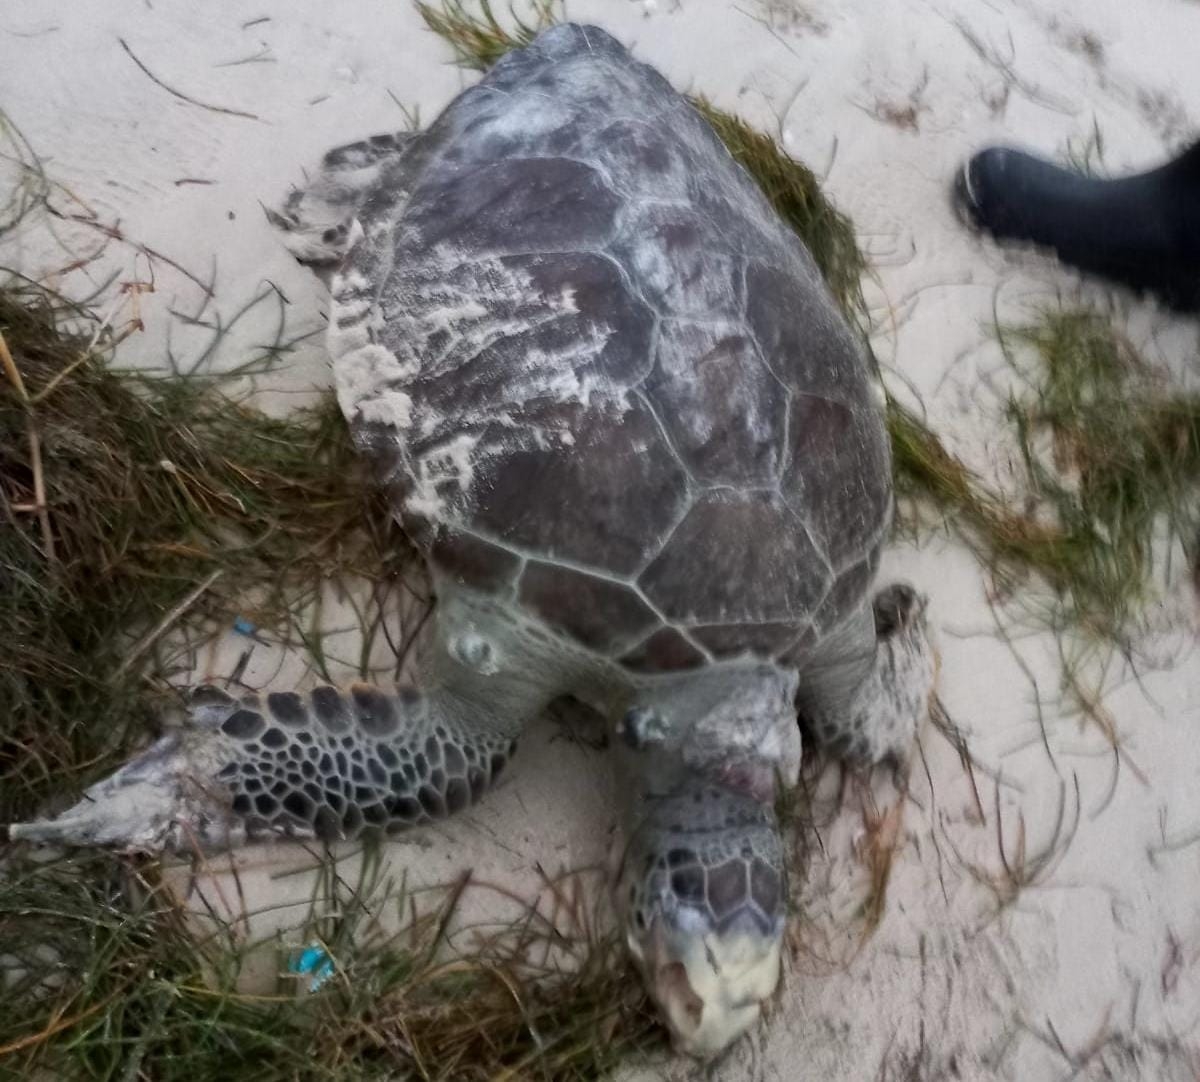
point(1046, 929)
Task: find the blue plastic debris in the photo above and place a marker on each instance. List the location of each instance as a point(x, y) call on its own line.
point(244, 627)
point(313, 960)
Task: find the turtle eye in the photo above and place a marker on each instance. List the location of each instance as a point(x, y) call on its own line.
point(475, 652)
point(641, 727)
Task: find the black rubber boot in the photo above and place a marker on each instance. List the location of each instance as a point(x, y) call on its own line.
point(1142, 231)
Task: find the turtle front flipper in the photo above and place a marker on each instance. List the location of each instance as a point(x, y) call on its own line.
point(327, 764)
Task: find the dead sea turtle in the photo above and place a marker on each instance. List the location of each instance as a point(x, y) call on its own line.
point(624, 421)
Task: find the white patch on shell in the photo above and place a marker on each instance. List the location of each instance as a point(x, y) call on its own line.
point(366, 377)
point(388, 408)
point(453, 305)
point(524, 115)
point(442, 318)
point(451, 464)
point(558, 376)
point(349, 282)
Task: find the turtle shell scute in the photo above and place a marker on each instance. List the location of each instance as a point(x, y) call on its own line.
point(595, 612)
point(839, 475)
point(725, 412)
point(758, 563)
point(665, 651)
point(514, 205)
point(606, 502)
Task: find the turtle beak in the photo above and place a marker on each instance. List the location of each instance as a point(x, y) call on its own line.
point(710, 988)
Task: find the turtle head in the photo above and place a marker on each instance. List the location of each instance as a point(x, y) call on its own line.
point(702, 891)
point(702, 885)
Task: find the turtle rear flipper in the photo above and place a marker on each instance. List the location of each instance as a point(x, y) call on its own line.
point(869, 702)
point(133, 809)
point(319, 221)
point(329, 764)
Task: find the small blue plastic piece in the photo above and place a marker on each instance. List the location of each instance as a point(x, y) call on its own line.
point(313, 960)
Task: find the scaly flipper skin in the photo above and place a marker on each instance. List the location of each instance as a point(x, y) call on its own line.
point(318, 221)
point(875, 718)
point(327, 764)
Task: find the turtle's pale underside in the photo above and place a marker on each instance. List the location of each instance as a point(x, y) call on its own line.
point(621, 416)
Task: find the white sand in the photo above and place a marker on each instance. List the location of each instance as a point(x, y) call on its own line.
point(1092, 972)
